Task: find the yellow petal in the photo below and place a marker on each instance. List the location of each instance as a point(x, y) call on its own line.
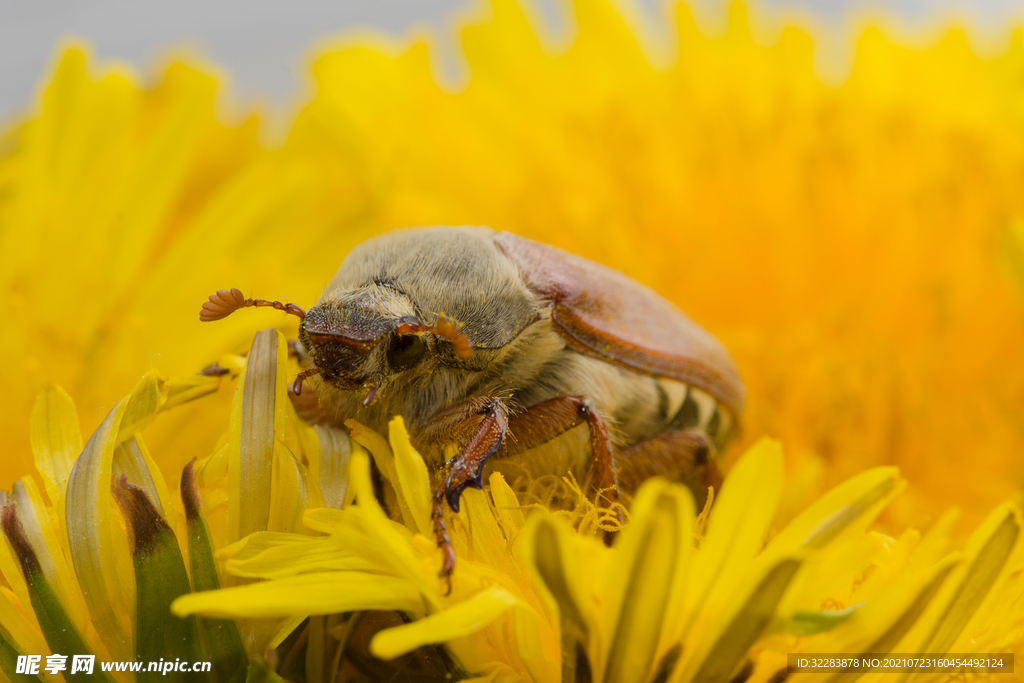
point(463, 619)
point(385, 460)
point(142, 406)
point(836, 573)
point(10, 570)
point(211, 470)
point(554, 559)
point(536, 643)
point(882, 622)
point(331, 466)
point(413, 479)
point(56, 441)
point(184, 388)
point(318, 593)
point(290, 560)
point(510, 514)
point(324, 520)
point(486, 539)
point(378, 448)
point(650, 559)
point(736, 527)
point(253, 418)
point(25, 636)
point(746, 624)
point(103, 568)
point(848, 508)
point(506, 506)
point(287, 627)
point(366, 531)
point(293, 493)
point(986, 559)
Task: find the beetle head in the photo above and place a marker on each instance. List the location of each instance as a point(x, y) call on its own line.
point(362, 337)
point(356, 338)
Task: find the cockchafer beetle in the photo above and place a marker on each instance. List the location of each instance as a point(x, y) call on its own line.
point(473, 336)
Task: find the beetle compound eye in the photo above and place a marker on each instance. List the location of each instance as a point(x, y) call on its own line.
point(405, 350)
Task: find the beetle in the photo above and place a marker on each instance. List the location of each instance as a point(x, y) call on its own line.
point(473, 336)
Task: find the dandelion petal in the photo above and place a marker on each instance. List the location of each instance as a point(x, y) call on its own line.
point(552, 559)
point(253, 417)
point(56, 440)
point(413, 479)
point(97, 563)
point(316, 593)
point(332, 475)
point(465, 618)
point(185, 388)
point(748, 623)
point(142, 407)
point(649, 557)
point(737, 526)
point(988, 552)
point(23, 638)
point(851, 506)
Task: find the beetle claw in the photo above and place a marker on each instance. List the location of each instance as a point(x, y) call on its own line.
point(452, 495)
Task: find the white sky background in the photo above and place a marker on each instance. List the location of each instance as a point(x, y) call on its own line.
point(264, 45)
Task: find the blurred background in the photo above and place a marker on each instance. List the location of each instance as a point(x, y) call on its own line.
point(264, 45)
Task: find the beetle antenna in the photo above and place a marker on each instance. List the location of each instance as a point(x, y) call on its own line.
point(450, 330)
point(444, 327)
point(305, 374)
point(224, 302)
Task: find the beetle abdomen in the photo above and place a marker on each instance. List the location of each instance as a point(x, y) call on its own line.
point(687, 408)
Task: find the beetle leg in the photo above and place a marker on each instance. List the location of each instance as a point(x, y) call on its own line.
point(684, 456)
point(444, 542)
point(545, 421)
point(467, 469)
point(455, 423)
point(295, 350)
point(535, 426)
point(601, 452)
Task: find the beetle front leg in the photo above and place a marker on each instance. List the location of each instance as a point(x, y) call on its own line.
point(467, 469)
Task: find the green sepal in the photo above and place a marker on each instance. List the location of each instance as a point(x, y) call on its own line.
point(224, 645)
point(58, 629)
point(812, 623)
point(260, 672)
point(160, 577)
point(9, 663)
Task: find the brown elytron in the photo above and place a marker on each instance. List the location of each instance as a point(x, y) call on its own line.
point(501, 345)
point(603, 312)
